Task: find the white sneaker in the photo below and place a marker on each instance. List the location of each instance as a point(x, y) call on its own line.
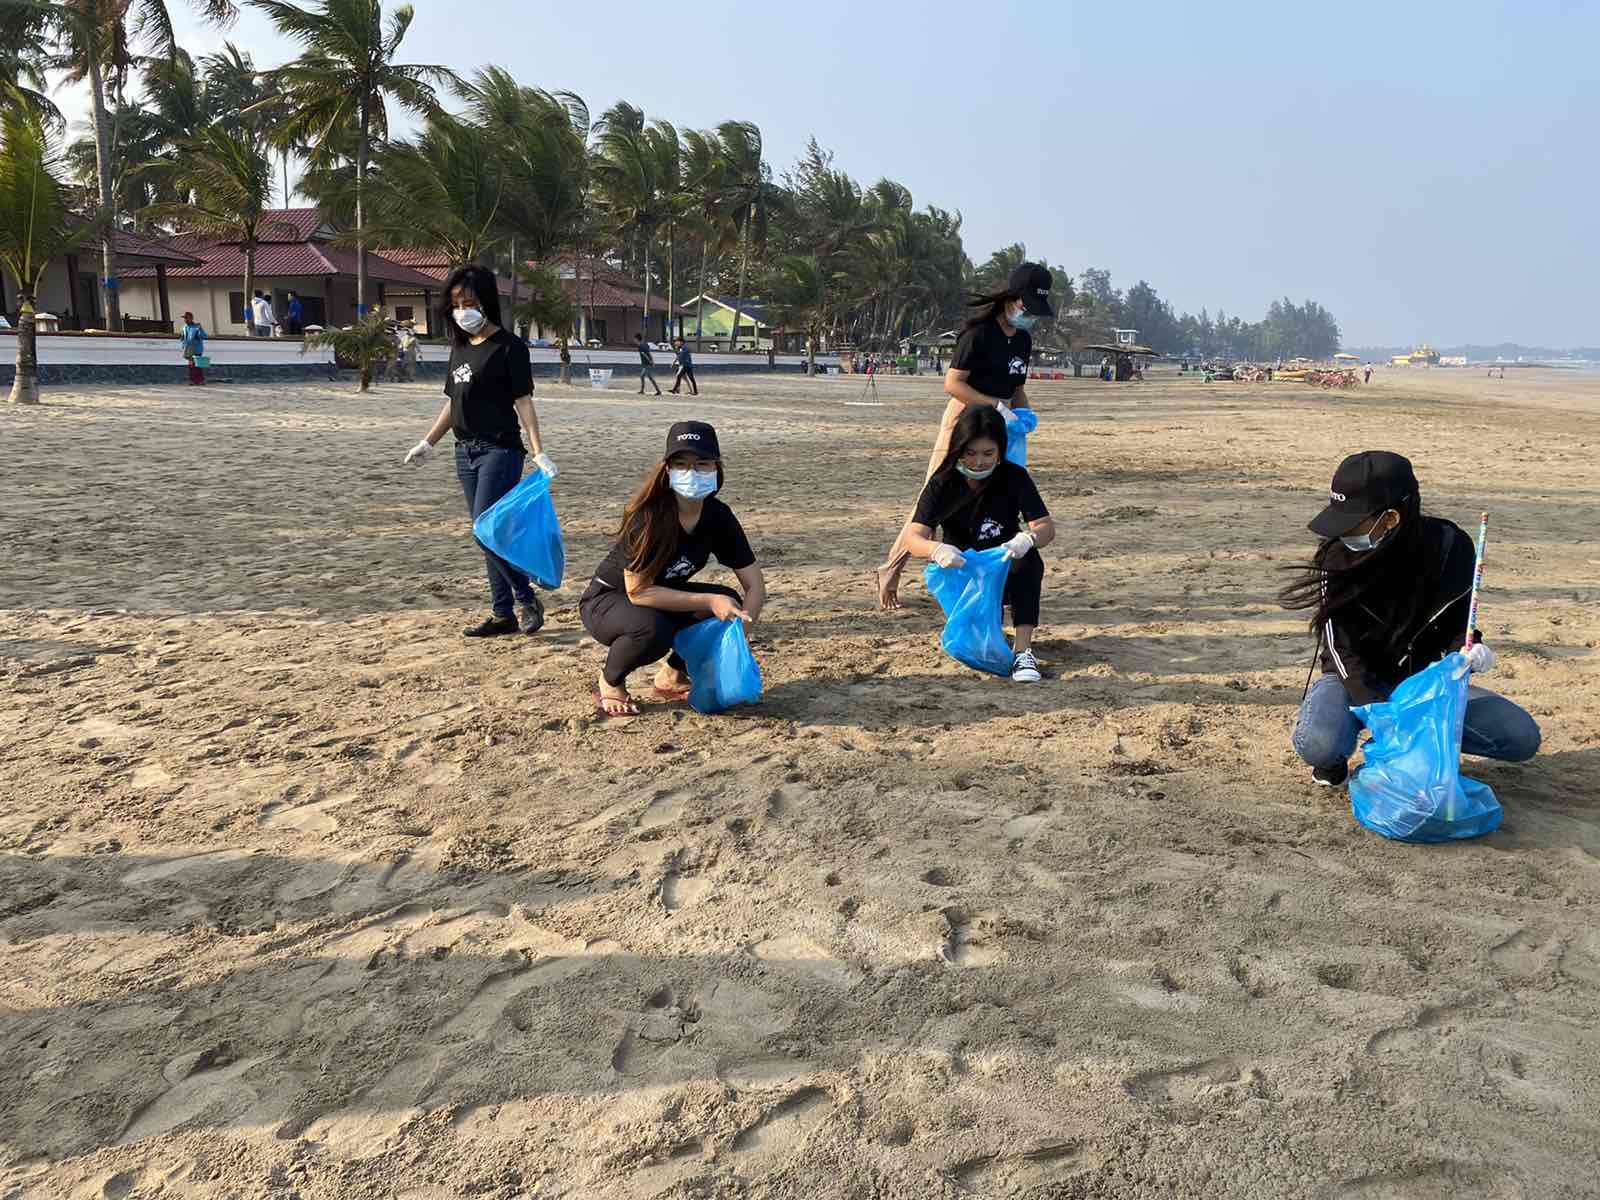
point(1025, 668)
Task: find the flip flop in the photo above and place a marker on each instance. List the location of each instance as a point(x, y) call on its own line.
point(601, 711)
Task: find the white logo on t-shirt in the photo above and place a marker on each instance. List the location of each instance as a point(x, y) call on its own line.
point(1019, 366)
point(989, 529)
point(679, 569)
point(462, 374)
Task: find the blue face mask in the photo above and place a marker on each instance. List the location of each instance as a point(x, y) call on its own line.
point(1362, 542)
point(692, 484)
point(1025, 320)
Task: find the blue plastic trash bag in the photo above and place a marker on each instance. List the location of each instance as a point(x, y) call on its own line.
point(971, 599)
point(521, 527)
point(722, 671)
point(1410, 787)
point(1019, 425)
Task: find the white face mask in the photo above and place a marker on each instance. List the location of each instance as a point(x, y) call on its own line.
point(470, 319)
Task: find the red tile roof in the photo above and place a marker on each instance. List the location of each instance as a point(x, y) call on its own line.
point(276, 260)
point(130, 246)
point(611, 289)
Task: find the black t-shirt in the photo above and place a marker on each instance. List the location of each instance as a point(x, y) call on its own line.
point(997, 364)
point(988, 517)
point(646, 359)
point(717, 535)
point(482, 382)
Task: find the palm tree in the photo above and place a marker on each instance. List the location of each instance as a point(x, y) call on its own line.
point(98, 37)
point(24, 55)
point(339, 85)
point(629, 165)
point(441, 191)
point(36, 224)
point(366, 344)
point(799, 291)
point(700, 203)
point(226, 179)
point(751, 196)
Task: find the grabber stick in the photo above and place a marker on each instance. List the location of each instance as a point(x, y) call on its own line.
point(1477, 581)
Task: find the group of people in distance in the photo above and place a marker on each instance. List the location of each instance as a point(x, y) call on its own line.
point(1387, 588)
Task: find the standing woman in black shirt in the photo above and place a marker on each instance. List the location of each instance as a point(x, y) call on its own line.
point(990, 367)
point(641, 595)
point(978, 500)
point(490, 388)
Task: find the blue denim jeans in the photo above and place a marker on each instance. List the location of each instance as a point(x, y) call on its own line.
point(487, 472)
point(1326, 733)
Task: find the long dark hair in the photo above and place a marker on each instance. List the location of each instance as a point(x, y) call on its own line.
point(989, 306)
point(649, 532)
point(1336, 578)
point(482, 282)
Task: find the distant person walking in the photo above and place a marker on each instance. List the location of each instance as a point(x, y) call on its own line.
point(1366, 375)
point(294, 318)
point(193, 339)
point(647, 362)
point(685, 362)
point(261, 312)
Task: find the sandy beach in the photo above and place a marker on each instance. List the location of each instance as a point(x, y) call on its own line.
point(304, 895)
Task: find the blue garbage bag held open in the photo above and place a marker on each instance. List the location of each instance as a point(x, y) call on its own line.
point(521, 527)
point(722, 671)
point(971, 598)
point(1410, 787)
point(1019, 425)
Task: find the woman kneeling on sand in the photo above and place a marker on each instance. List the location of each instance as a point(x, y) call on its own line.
point(641, 597)
point(990, 367)
point(1389, 589)
point(978, 500)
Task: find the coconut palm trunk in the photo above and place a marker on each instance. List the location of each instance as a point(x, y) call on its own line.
point(363, 153)
point(649, 239)
point(700, 300)
point(102, 172)
point(744, 272)
point(672, 263)
point(249, 282)
point(25, 386)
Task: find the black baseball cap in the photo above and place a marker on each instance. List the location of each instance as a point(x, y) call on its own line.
point(1031, 283)
point(1365, 484)
point(692, 437)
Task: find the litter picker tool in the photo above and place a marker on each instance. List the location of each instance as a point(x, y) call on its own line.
point(1477, 581)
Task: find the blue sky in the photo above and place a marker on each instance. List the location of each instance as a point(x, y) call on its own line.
point(1425, 170)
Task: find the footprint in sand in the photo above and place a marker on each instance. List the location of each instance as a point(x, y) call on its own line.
point(206, 1087)
point(1432, 1024)
point(1010, 1174)
point(1218, 1076)
point(312, 817)
point(680, 891)
point(664, 808)
point(1525, 955)
point(796, 955)
point(961, 946)
point(785, 1127)
point(1433, 1181)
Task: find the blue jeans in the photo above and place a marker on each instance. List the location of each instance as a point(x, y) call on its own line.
point(1326, 733)
point(487, 472)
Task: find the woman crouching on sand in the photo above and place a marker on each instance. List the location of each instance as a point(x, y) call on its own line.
point(990, 367)
point(1389, 590)
point(641, 597)
point(978, 500)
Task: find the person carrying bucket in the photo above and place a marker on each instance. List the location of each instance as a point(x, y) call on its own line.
point(192, 337)
point(977, 500)
point(989, 367)
point(1389, 590)
point(642, 597)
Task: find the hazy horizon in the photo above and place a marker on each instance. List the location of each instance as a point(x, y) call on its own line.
point(1417, 173)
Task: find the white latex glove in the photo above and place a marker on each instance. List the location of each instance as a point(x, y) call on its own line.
point(542, 461)
point(1480, 658)
point(1019, 546)
point(948, 556)
point(1004, 409)
point(418, 452)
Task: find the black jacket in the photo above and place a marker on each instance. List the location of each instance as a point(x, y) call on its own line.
point(1361, 642)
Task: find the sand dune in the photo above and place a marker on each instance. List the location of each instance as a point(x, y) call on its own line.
point(301, 894)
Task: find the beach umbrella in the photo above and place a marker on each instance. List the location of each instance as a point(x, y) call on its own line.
point(1343, 357)
point(1410, 786)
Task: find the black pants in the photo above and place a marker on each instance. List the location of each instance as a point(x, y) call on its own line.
point(1023, 588)
point(686, 373)
point(637, 635)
